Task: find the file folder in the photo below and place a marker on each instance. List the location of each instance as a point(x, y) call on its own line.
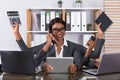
point(47, 20)
point(58, 14)
point(68, 20)
point(42, 20)
point(52, 15)
point(84, 21)
point(73, 21)
point(78, 21)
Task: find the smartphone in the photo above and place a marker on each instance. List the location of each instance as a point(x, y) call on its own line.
point(13, 17)
point(92, 38)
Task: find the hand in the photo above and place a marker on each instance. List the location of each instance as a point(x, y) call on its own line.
point(97, 63)
point(16, 28)
point(16, 31)
point(100, 32)
point(49, 38)
point(91, 44)
point(72, 68)
point(47, 68)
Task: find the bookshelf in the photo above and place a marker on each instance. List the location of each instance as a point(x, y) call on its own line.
point(35, 28)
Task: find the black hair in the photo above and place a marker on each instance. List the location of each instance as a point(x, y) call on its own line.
point(56, 20)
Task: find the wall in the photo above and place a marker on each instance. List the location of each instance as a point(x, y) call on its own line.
point(112, 34)
point(7, 39)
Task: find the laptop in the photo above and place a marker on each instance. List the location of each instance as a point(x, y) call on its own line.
point(110, 63)
point(59, 64)
point(19, 62)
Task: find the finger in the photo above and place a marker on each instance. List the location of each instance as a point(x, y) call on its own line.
point(50, 68)
point(99, 24)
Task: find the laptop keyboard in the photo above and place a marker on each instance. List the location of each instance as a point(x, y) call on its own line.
point(38, 69)
point(93, 70)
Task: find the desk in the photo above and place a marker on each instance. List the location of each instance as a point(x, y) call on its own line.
point(79, 76)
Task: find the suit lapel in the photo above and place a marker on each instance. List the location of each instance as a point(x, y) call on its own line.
point(52, 51)
point(65, 51)
point(70, 48)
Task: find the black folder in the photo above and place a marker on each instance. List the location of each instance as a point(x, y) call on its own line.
point(104, 20)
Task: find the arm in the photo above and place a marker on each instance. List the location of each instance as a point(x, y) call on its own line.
point(16, 32)
point(18, 37)
point(22, 44)
point(77, 62)
point(77, 59)
point(87, 52)
point(98, 44)
point(97, 50)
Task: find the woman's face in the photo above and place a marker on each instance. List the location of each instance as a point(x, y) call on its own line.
point(58, 31)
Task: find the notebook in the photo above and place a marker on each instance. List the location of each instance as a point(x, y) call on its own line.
point(59, 64)
point(110, 63)
point(19, 62)
point(105, 20)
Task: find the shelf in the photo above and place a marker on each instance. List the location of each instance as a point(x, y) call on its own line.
point(35, 11)
point(69, 32)
point(87, 8)
point(73, 9)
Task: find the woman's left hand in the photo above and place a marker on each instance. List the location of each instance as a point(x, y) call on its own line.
point(72, 68)
point(100, 32)
point(91, 44)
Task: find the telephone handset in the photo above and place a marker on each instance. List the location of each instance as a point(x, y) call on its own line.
point(53, 41)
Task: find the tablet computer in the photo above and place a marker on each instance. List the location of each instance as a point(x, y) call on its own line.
point(59, 64)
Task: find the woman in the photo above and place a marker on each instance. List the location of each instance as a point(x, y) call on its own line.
point(57, 46)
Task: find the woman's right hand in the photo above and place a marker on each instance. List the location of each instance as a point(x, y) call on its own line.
point(16, 31)
point(15, 28)
point(100, 32)
point(47, 68)
point(49, 38)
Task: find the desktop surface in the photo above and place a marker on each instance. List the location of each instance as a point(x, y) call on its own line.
point(78, 76)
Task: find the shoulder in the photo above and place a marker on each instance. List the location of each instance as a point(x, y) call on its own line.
point(73, 44)
point(70, 42)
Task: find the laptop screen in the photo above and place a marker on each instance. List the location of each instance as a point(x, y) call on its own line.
point(18, 62)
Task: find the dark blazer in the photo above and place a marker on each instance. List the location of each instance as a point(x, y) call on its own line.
point(68, 51)
point(89, 62)
point(73, 50)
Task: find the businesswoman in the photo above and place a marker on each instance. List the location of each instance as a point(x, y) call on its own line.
point(57, 46)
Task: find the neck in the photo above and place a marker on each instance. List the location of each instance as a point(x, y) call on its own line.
point(60, 42)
